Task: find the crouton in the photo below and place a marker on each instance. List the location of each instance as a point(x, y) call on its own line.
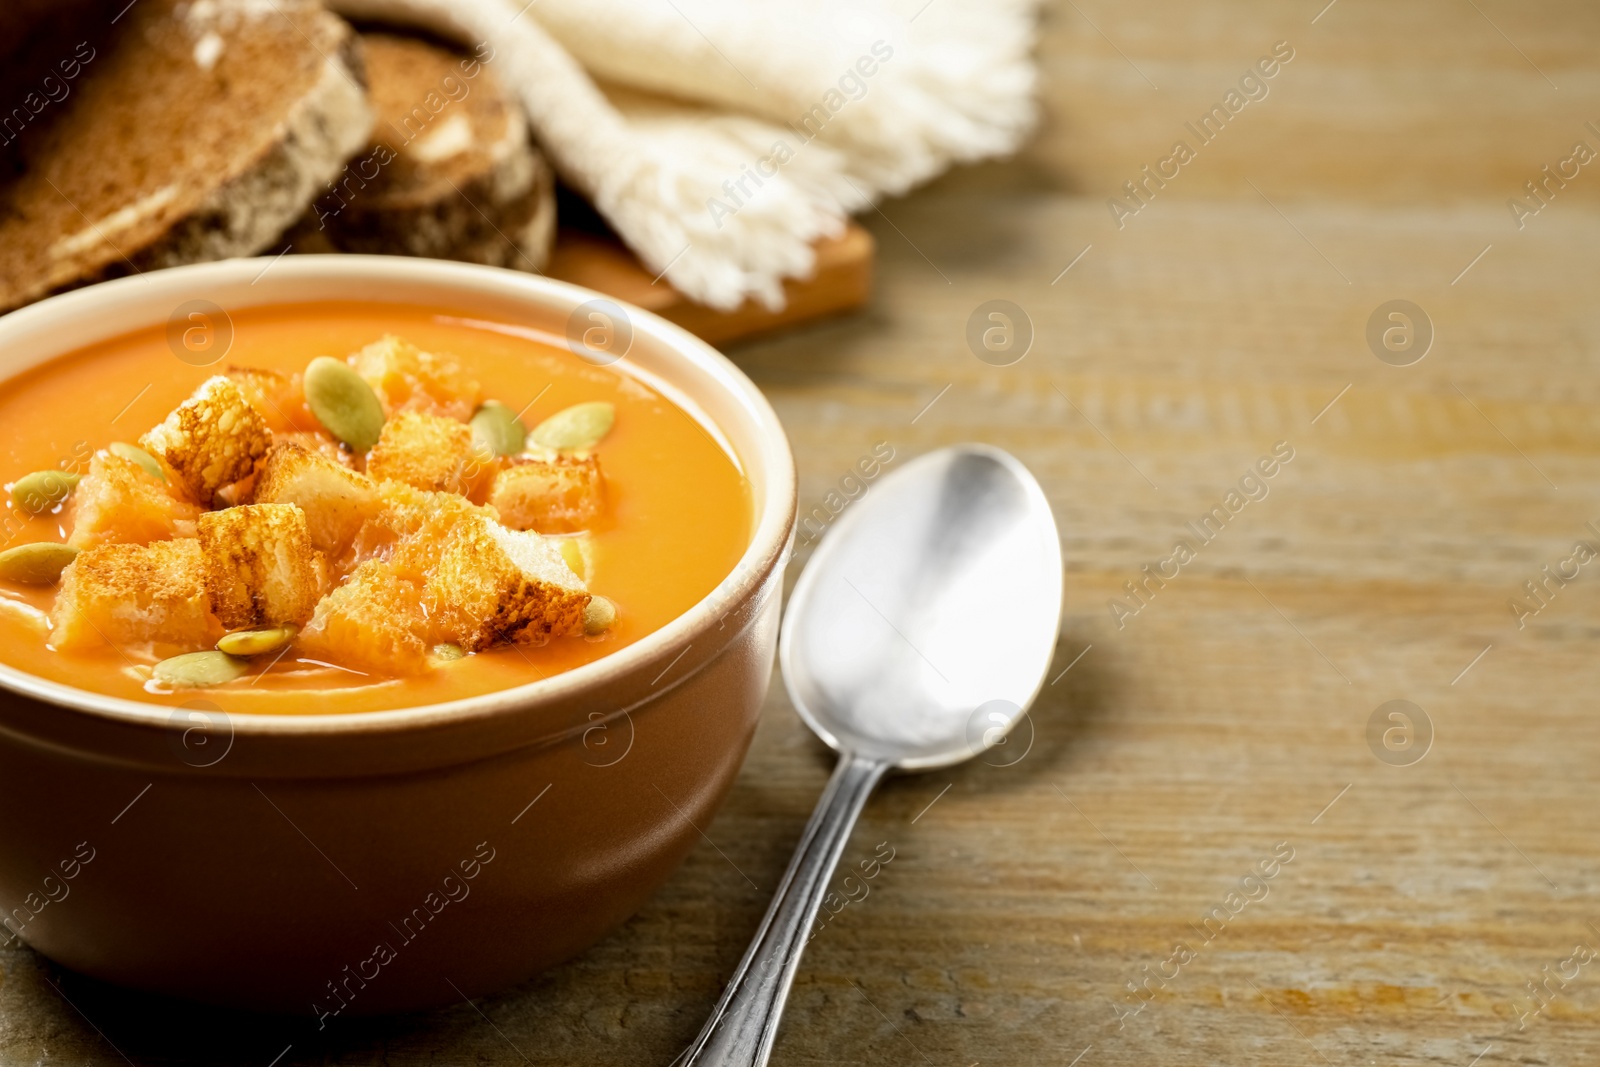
point(276, 397)
point(323, 444)
point(426, 452)
point(493, 584)
point(560, 495)
point(373, 623)
point(260, 567)
point(211, 440)
point(411, 527)
point(118, 501)
point(409, 379)
point(407, 509)
point(336, 501)
point(125, 594)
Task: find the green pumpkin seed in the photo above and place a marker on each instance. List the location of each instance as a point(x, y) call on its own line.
point(497, 427)
point(343, 402)
point(580, 426)
point(256, 642)
point(572, 553)
point(599, 615)
point(139, 456)
point(42, 491)
point(36, 564)
point(448, 651)
point(194, 670)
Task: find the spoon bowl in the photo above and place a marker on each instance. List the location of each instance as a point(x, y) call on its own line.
point(923, 624)
point(918, 634)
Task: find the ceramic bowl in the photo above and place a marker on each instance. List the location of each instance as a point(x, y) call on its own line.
point(335, 865)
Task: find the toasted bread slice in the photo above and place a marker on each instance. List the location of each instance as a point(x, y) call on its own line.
point(124, 594)
point(491, 584)
point(119, 501)
point(373, 623)
point(211, 440)
point(408, 379)
point(426, 452)
point(200, 131)
point(564, 494)
point(260, 567)
point(336, 501)
point(450, 172)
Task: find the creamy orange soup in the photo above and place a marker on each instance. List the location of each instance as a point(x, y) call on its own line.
point(676, 516)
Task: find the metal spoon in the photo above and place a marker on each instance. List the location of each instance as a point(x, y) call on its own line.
point(919, 631)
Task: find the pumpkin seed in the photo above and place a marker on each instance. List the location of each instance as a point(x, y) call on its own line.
point(599, 615)
point(256, 642)
point(42, 491)
point(40, 563)
point(580, 426)
point(139, 456)
point(497, 427)
point(572, 552)
point(198, 669)
point(448, 651)
point(343, 402)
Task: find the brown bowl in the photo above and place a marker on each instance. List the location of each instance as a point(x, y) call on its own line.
point(354, 864)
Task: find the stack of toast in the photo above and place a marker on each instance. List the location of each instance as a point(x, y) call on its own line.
point(180, 131)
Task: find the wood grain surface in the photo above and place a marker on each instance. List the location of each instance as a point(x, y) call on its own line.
point(1176, 759)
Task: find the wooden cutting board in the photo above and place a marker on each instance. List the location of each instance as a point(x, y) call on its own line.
point(842, 282)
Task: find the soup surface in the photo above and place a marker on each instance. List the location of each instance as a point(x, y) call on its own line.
point(675, 520)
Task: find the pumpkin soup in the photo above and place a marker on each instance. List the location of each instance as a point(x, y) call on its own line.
point(359, 507)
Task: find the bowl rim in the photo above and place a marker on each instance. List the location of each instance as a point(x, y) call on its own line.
point(767, 546)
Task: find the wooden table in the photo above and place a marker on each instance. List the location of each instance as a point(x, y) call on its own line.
point(1230, 716)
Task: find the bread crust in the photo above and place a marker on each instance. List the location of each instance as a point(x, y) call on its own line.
point(238, 210)
point(492, 201)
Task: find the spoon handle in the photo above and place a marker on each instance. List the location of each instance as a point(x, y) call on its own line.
point(744, 1023)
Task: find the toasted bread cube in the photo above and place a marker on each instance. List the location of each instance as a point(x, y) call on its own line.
point(211, 440)
point(491, 584)
point(336, 501)
point(118, 502)
point(563, 494)
point(126, 594)
point(322, 444)
point(409, 379)
point(413, 525)
point(407, 509)
point(277, 397)
point(373, 623)
point(260, 566)
point(425, 451)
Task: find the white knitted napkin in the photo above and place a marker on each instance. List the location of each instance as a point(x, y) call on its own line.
point(730, 134)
